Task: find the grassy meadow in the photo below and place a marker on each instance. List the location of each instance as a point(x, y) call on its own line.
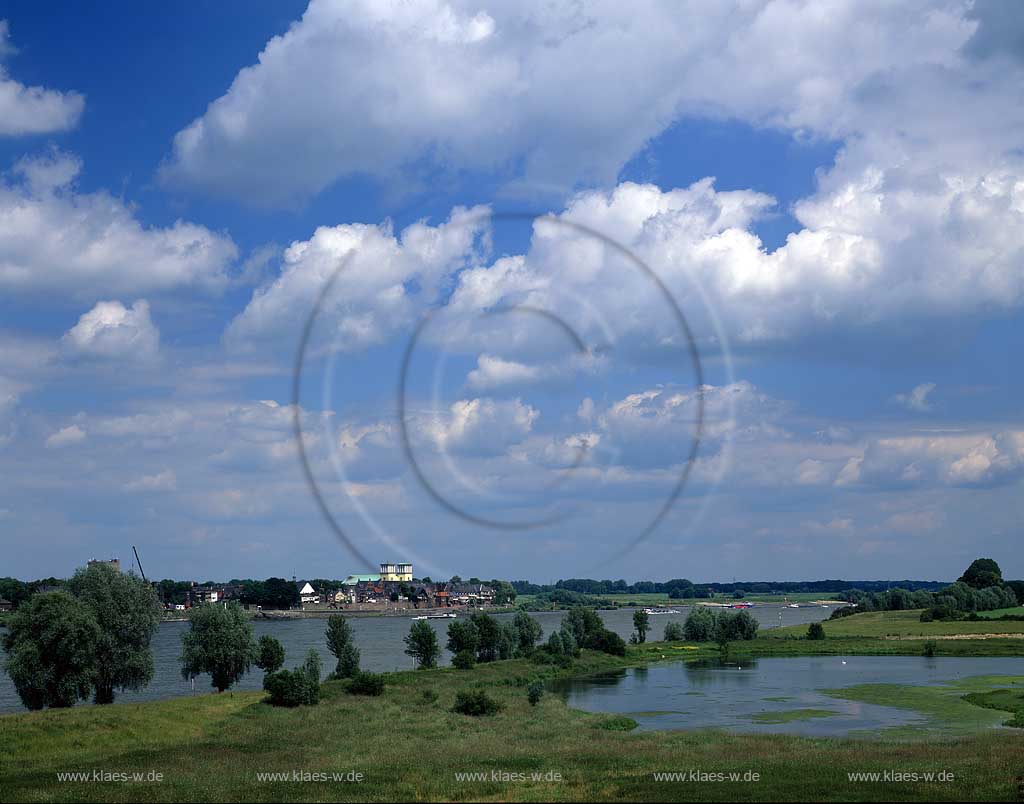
point(408, 745)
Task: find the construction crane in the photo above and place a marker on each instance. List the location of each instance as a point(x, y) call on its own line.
point(139, 563)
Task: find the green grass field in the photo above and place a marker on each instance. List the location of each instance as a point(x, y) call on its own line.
point(409, 746)
point(899, 624)
point(1016, 612)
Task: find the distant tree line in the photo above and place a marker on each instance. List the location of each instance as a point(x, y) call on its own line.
point(980, 588)
point(683, 588)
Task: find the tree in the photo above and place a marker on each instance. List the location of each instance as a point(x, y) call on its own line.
point(528, 631)
point(583, 622)
point(269, 654)
point(489, 637)
point(700, 625)
point(641, 622)
point(51, 650)
point(508, 641)
point(673, 632)
point(128, 613)
point(421, 643)
point(219, 642)
point(815, 631)
point(504, 593)
point(340, 643)
point(735, 625)
point(982, 572)
point(463, 636)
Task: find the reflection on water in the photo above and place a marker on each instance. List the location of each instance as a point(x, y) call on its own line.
point(755, 694)
point(379, 640)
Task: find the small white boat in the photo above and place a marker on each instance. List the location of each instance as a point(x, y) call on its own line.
point(448, 616)
point(421, 617)
point(660, 611)
point(793, 606)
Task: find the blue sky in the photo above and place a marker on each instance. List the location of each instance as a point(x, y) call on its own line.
point(833, 200)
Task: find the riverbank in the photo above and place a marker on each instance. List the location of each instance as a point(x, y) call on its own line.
point(408, 745)
point(323, 614)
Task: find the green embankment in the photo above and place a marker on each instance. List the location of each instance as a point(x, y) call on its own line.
point(409, 745)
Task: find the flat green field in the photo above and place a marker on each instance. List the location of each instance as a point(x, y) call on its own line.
point(407, 744)
point(900, 624)
point(1016, 612)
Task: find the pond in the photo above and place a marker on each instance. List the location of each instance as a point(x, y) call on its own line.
point(772, 695)
point(379, 640)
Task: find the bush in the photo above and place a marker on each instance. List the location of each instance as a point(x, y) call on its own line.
point(618, 723)
point(535, 692)
point(364, 683)
point(940, 612)
point(464, 660)
point(429, 696)
point(673, 632)
point(476, 703)
point(815, 631)
point(929, 647)
point(607, 642)
point(297, 687)
point(843, 611)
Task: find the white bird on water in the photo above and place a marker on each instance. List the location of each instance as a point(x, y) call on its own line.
point(843, 661)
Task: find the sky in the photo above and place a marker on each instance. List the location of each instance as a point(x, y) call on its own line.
point(535, 290)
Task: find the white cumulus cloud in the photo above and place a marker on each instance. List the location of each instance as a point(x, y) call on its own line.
point(58, 241)
point(111, 330)
point(33, 110)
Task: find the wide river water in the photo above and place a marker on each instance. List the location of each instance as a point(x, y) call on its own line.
point(379, 640)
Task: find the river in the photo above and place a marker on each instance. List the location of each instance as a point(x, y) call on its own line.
point(380, 644)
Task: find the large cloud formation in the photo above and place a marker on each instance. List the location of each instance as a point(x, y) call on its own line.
point(555, 94)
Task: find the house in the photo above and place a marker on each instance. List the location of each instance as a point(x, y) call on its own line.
point(469, 594)
point(401, 573)
point(307, 594)
point(6, 605)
